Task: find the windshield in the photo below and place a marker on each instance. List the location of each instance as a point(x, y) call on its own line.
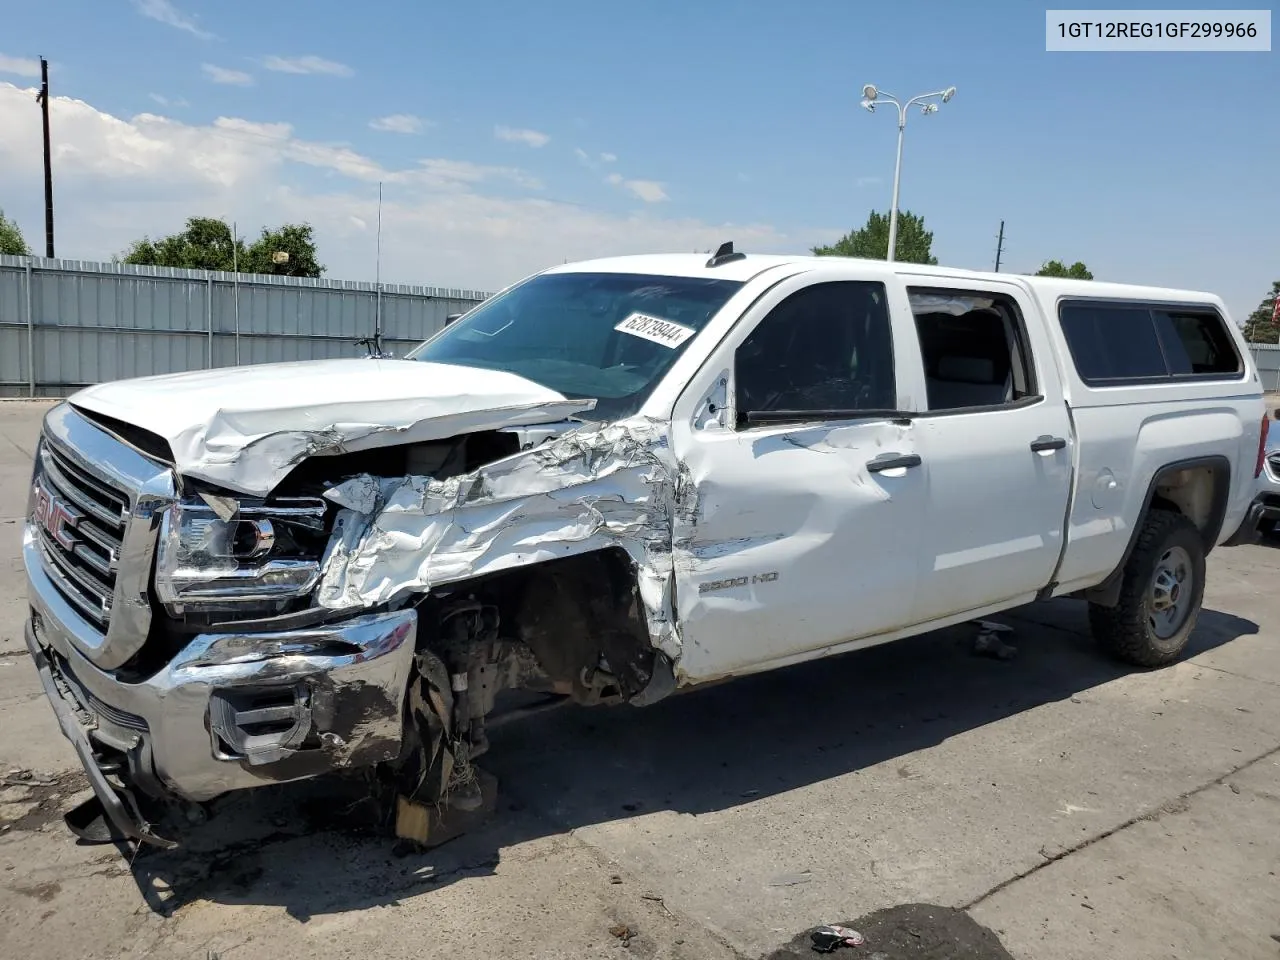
point(610, 336)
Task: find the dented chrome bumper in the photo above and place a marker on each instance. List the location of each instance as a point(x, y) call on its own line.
point(230, 711)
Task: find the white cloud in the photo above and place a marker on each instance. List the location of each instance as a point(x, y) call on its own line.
point(166, 13)
point(235, 78)
point(168, 101)
point(532, 138)
point(609, 157)
point(446, 221)
point(307, 65)
point(582, 155)
point(397, 123)
point(19, 66)
point(650, 191)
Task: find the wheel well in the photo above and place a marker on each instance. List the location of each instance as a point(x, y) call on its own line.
point(1198, 489)
point(1193, 492)
point(580, 618)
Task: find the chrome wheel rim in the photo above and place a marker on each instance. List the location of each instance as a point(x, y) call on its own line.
point(1169, 600)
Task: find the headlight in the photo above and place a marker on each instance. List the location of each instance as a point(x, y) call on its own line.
point(263, 556)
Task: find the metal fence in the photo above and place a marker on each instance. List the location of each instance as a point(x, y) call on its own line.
point(1267, 358)
point(65, 324)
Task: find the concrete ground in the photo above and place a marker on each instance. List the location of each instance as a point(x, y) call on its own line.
point(1053, 806)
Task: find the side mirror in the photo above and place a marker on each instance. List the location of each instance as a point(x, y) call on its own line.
point(1275, 414)
point(450, 318)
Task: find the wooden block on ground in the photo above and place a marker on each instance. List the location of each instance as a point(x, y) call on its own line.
point(430, 826)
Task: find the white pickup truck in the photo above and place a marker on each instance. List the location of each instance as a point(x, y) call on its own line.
point(613, 480)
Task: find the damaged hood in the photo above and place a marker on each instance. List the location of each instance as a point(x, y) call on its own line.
point(245, 428)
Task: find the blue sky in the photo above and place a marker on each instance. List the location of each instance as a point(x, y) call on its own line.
point(566, 129)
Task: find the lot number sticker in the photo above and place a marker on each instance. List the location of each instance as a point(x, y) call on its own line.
point(659, 331)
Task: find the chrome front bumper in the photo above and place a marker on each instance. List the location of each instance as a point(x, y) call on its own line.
point(230, 711)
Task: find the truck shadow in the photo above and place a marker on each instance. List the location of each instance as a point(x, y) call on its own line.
point(308, 847)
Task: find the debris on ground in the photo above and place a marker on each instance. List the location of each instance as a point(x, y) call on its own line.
point(791, 879)
point(911, 931)
point(989, 641)
point(829, 938)
point(660, 901)
point(623, 932)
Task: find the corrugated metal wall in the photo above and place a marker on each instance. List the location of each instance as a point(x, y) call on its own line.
point(1267, 358)
point(91, 322)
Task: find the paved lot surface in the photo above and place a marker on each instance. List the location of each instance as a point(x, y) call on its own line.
point(1070, 807)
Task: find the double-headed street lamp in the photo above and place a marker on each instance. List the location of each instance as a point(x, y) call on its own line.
point(871, 97)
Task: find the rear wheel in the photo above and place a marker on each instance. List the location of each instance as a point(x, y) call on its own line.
point(1160, 594)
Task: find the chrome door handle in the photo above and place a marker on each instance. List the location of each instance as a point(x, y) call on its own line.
point(893, 461)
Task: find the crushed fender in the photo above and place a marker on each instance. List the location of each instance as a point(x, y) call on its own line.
point(589, 489)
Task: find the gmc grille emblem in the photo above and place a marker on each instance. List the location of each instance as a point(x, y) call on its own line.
point(58, 518)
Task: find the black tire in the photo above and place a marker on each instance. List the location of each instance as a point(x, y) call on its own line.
point(1134, 630)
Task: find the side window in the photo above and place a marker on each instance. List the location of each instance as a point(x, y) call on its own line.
point(1196, 343)
point(974, 348)
point(826, 350)
point(1112, 342)
point(1126, 342)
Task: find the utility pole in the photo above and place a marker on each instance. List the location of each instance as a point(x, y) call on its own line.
point(377, 317)
point(999, 246)
point(43, 99)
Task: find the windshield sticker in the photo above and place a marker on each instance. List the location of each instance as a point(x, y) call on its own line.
point(659, 331)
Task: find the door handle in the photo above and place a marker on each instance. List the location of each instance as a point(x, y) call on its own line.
point(1046, 442)
point(893, 461)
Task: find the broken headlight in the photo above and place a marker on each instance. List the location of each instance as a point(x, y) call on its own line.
point(239, 557)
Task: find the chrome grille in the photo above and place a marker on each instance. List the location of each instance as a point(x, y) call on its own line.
point(94, 513)
point(81, 545)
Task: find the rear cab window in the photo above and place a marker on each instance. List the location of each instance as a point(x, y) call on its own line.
point(1124, 342)
point(974, 349)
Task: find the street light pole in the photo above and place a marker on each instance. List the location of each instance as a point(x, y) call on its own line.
point(872, 96)
point(897, 179)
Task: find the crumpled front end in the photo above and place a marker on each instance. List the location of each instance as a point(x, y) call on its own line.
point(587, 490)
point(156, 718)
point(230, 711)
point(185, 661)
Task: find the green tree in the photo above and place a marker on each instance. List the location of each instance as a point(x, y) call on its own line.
point(11, 241)
point(294, 240)
point(1056, 268)
point(207, 244)
point(913, 245)
point(1260, 328)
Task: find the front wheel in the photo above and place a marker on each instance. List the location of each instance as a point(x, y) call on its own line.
point(1160, 595)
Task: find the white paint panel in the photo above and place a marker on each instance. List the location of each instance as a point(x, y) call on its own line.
point(793, 545)
point(245, 428)
point(990, 551)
